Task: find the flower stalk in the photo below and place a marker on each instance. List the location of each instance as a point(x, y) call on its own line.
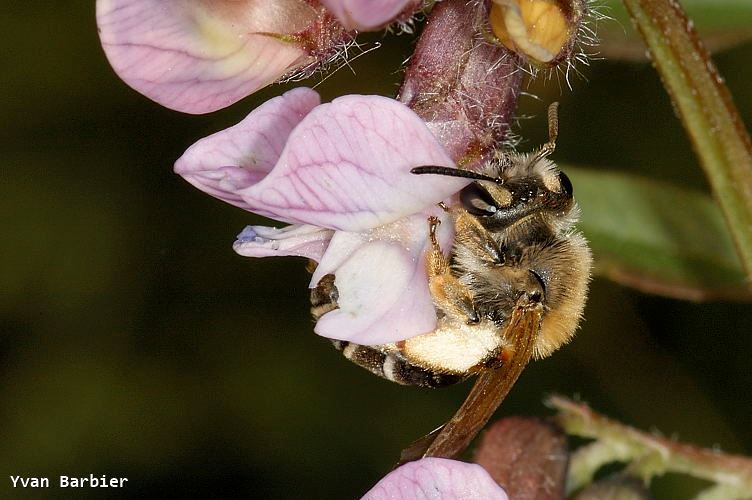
point(462, 86)
point(648, 455)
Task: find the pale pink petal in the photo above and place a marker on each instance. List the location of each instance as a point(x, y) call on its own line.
point(439, 479)
point(368, 15)
point(382, 282)
point(197, 56)
point(240, 156)
point(379, 272)
point(299, 240)
point(341, 247)
point(347, 167)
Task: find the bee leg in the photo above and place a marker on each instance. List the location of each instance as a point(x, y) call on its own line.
point(379, 360)
point(387, 363)
point(324, 297)
point(448, 293)
point(472, 235)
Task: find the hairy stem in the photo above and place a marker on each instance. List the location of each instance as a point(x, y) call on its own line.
point(646, 454)
point(706, 109)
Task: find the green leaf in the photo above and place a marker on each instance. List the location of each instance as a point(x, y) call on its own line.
point(657, 237)
point(722, 24)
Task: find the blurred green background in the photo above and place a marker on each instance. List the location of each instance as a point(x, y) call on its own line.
point(135, 343)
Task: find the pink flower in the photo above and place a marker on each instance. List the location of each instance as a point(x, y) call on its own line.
point(339, 173)
point(198, 56)
point(437, 478)
point(369, 15)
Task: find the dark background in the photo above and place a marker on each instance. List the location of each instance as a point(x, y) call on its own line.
point(135, 343)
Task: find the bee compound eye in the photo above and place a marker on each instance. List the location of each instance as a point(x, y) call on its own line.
point(477, 201)
point(566, 184)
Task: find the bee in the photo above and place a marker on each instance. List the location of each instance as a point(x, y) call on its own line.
point(513, 287)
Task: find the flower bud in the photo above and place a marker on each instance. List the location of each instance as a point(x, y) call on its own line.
point(371, 15)
point(199, 56)
point(527, 456)
point(436, 478)
point(463, 87)
point(542, 31)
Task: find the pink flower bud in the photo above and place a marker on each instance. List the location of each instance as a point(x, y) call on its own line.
point(198, 56)
point(437, 478)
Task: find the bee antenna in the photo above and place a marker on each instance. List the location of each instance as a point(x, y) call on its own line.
point(455, 172)
point(553, 132)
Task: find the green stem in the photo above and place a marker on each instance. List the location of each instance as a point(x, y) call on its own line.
point(706, 109)
point(648, 455)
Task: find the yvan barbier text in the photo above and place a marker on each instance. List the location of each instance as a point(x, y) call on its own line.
point(90, 481)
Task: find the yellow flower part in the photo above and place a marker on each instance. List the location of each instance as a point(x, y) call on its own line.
point(538, 29)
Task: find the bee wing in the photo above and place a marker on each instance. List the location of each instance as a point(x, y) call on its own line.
point(490, 389)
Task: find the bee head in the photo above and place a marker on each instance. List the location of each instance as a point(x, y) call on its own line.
point(503, 202)
point(515, 186)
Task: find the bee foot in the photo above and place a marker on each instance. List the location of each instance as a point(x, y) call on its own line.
point(433, 223)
